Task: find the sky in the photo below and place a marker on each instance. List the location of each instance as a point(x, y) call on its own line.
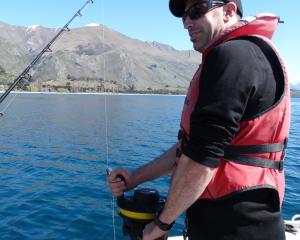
point(152, 21)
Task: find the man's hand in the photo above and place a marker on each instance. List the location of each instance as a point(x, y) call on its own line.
point(152, 232)
point(120, 181)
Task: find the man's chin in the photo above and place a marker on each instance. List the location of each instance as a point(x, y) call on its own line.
point(198, 47)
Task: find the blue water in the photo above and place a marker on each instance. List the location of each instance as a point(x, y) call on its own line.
point(55, 150)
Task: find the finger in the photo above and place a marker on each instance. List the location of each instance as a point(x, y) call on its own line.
point(117, 185)
point(147, 231)
point(118, 188)
point(116, 180)
point(117, 192)
point(118, 173)
point(119, 182)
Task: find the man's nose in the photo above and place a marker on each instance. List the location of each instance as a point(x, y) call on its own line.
point(187, 23)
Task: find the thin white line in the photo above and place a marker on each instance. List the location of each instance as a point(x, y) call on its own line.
point(106, 125)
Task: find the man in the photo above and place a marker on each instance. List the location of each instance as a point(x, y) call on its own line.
point(228, 170)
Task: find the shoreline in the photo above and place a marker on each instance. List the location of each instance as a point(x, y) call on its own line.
point(100, 93)
point(113, 93)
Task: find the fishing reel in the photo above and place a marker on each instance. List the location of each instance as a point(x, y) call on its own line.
point(138, 210)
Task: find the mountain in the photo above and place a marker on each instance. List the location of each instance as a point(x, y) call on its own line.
point(93, 58)
point(295, 93)
point(295, 86)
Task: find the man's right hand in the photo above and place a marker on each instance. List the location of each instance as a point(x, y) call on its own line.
point(116, 181)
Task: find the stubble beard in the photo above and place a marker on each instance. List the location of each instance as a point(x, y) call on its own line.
point(199, 45)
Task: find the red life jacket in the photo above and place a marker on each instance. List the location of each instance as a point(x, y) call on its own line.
point(255, 156)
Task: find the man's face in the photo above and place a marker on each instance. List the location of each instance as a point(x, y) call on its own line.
point(203, 29)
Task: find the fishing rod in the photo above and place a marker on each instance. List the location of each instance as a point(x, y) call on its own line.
point(24, 74)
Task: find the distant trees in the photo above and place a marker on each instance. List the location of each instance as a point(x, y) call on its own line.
point(131, 88)
point(94, 85)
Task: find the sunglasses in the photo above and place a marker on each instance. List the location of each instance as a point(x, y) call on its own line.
point(198, 9)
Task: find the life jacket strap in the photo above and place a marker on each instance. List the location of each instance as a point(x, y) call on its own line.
point(236, 154)
point(255, 161)
point(264, 148)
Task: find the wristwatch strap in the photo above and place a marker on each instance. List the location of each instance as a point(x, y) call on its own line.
point(162, 226)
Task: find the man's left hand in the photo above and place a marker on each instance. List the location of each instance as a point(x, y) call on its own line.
point(152, 232)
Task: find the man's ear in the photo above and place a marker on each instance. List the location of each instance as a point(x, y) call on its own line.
point(229, 10)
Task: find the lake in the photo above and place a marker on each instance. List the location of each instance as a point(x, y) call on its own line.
point(55, 149)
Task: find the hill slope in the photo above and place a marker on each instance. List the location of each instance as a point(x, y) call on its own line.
point(94, 59)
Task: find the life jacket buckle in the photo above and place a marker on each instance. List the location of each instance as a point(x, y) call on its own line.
point(280, 166)
point(180, 134)
point(283, 154)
